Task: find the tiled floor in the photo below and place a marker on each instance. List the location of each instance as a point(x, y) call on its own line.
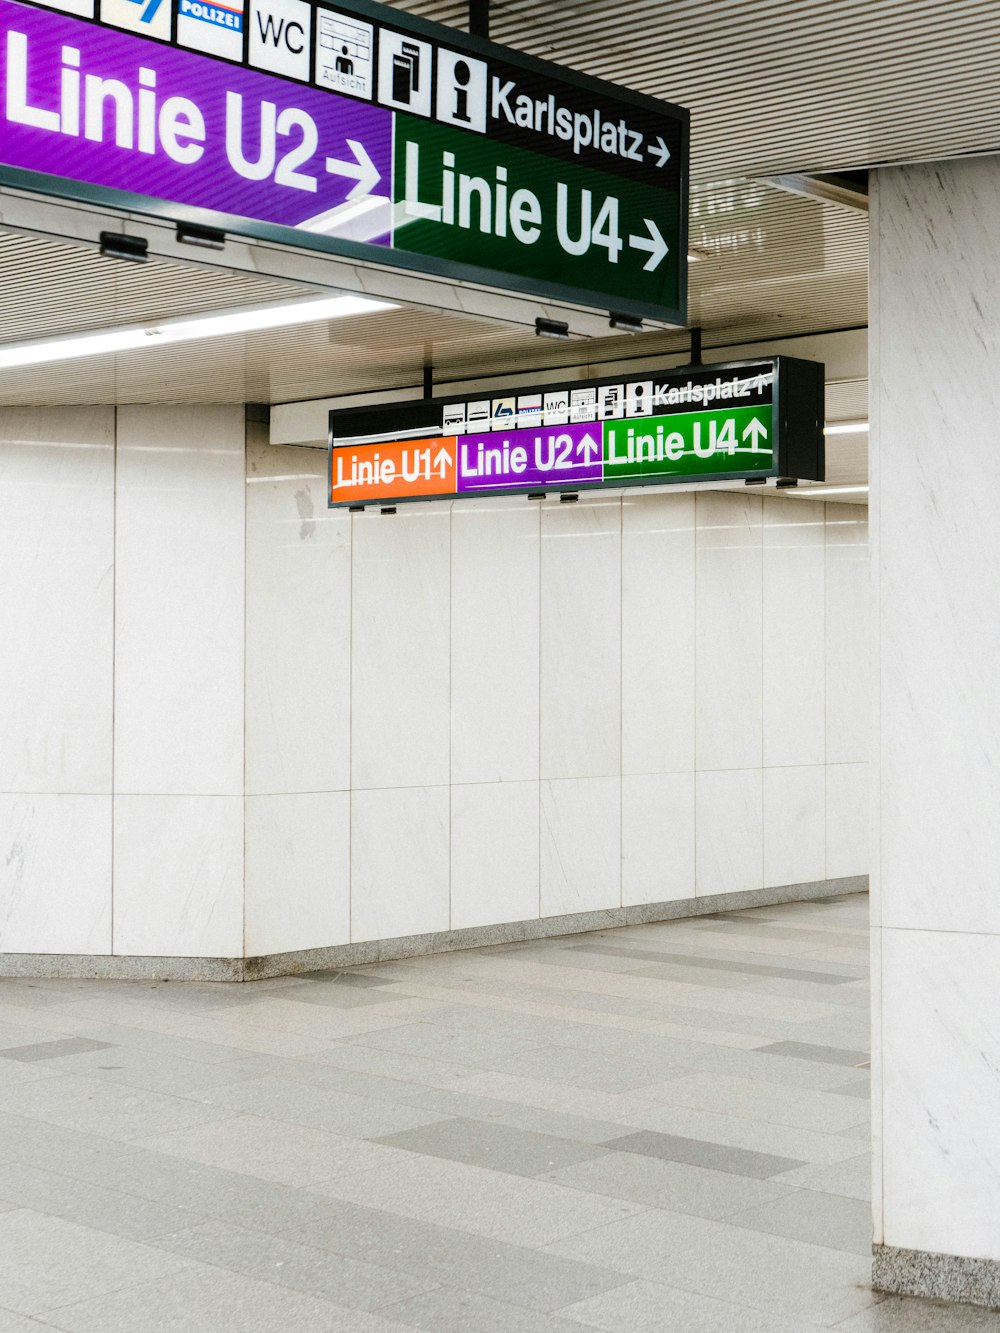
point(656, 1128)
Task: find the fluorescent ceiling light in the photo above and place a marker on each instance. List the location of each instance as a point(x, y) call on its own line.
point(250, 319)
point(832, 490)
point(846, 428)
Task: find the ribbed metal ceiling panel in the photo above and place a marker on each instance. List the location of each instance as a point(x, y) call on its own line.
point(818, 85)
point(49, 288)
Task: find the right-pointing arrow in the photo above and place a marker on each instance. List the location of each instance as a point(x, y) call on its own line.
point(756, 431)
point(660, 150)
point(362, 169)
point(654, 243)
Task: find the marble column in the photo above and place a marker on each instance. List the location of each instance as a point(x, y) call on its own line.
point(935, 356)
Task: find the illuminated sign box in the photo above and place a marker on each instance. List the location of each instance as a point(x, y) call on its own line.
point(356, 129)
point(746, 419)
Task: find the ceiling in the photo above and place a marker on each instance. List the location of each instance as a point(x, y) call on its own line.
point(816, 85)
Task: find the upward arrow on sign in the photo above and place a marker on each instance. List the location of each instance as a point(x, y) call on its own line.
point(756, 431)
point(590, 448)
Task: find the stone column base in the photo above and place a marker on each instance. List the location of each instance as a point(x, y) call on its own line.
point(129, 967)
point(945, 1277)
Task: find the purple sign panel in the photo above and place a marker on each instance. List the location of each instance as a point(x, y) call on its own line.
point(542, 456)
point(95, 106)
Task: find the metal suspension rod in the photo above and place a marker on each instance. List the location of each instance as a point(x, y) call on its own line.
point(479, 18)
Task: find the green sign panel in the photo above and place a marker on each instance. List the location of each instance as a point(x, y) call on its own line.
point(475, 201)
point(749, 420)
point(690, 444)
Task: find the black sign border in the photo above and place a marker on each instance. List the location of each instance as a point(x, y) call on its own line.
point(798, 418)
point(163, 210)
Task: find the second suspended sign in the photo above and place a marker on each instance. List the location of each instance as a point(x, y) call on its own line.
point(356, 129)
point(742, 420)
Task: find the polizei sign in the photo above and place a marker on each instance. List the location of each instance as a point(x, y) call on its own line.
point(752, 419)
point(355, 129)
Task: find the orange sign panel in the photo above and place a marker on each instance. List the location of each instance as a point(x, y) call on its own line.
point(399, 468)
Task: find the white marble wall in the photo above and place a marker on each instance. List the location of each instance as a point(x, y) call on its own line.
point(936, 560)
point(517, 708)
point(232, 721)
point(121, 681)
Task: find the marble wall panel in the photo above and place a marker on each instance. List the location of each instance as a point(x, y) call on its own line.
point(298, 632)
point(57, 525)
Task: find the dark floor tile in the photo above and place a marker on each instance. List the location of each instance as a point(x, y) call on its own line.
point(484, 1265)
point(700, 1152)
point(518, 1152)
point(49, 1050)
point(825, 1055)
point(718, 964)
point(340, 978)
point(336, 995)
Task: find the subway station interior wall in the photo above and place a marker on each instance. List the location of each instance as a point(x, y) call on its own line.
point(232, 721)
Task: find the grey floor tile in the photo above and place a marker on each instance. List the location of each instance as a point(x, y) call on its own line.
point(478, 1049)
point(802, 1108)
point(272, 1150)
point(471, 1198)
point(166, 1044)
point(339, 996)
point(859, 1133)
point(650, 1307)
point(449, 1310)
point(851, 1178)
point(101, 1108)
point(830, 1220)
point(901, 1314)
point(89, 1204)
point(47, 1262)
point(578, 1068)
point(487, 1266)
point(323, 1108)
point(860, 1088)
point(519, 1152)
point(464, 1105)
point(398, 1065)
point(153, 1071)
point(49, 1050)
point(208, 1299)
point(740, 1131)
point(360, 980)
point(784, 1278)
point(352, 1283)
point(675, 1186)
point(803, 1050)
point(691, 960)
point(704, 1153)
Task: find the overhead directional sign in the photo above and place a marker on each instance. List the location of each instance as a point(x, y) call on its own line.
point(353, 128)
point(747, 419)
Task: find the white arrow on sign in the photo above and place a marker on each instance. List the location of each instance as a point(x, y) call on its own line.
point(442, 462)
point(655, 244)
point(590, 448)
point(362, 169)
point(757, 430)
point(660, 150)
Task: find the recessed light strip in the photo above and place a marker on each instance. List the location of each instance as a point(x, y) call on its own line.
point(250, 319)
point(817, 492)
